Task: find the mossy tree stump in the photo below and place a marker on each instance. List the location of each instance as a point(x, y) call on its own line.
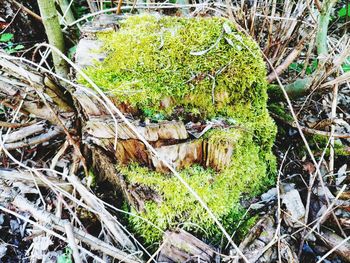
point(174, 77)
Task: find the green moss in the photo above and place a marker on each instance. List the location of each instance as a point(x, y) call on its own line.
point(156, 59)
point(150, 60)
point(320, 142)
point(280, 110)
point(247, 175)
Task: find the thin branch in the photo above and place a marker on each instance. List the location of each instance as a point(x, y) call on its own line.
point(27, 10)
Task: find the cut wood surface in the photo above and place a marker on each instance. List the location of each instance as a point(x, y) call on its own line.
point(180, 155)
point(105, 128)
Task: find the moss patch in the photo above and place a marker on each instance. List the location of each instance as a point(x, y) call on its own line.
point(320, 142)
point(183, 68)
point(247, 175)
point(152, 59)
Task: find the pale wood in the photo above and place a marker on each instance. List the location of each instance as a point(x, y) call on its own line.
point(180, 155)
point(105, 128)
point(27, 177)
point(24, 132)
point(181, 246)
point(218, 155)
point(332, 240)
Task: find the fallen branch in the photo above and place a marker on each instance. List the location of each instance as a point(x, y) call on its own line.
point(71, 241)
point(56, 223)
point(339, 80)
point(309, 130)
point(337, 245)
point(51, 134)
point(24, 132)
point(27, 10)
point(13, 175)
point(15, 125)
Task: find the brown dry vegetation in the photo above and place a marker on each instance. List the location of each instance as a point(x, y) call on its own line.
point(58, 200)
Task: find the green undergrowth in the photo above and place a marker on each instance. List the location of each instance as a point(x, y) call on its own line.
point(185, 68)
point(319, 143)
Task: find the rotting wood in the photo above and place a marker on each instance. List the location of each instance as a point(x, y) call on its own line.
point(104, 166)
point(181, 246)
point(104, 128)
point(218, 156)
point(24, 84)
point(101, 138)
point(180, 155)
point(332, 240)
point(170, 138)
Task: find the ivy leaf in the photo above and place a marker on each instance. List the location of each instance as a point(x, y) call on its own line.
point(18, 47)
point(72, 51)
point(6, 37)
point(66, 257)
point(346, 67)
point(342, 11)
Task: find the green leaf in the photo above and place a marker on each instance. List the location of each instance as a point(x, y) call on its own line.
point(6, 37)
point(342, 11)
point(346, 67)
point(66, 257)
point(72, 51)
point(296, 67)
point(310, 69)
point(18, 47)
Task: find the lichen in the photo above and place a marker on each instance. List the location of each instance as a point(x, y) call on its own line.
point(171, 67)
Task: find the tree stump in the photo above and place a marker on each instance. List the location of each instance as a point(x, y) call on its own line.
point(195, 89)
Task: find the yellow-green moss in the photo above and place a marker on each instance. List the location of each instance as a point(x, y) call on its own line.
point(319, 142)
point(246, 176)
point(152, 59)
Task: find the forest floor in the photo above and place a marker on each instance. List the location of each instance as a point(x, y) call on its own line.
point(305, 217)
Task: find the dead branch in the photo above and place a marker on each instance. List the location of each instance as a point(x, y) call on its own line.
point(15, 87)
point(27, 10)
point(56, 223)
point(13, 175)
point(45, 137)
point(25, 132)
point(71, 241)
point(337, 244)
point(15, 125)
